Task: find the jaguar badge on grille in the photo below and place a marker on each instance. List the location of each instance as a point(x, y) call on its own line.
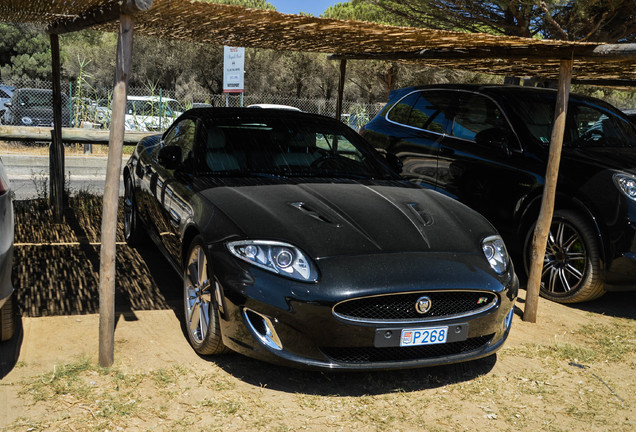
point(423, 305)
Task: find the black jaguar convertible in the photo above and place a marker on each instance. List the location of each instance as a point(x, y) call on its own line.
point(299, 245)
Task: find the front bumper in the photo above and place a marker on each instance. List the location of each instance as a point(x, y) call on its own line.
point(292, 323)
point(620, 250)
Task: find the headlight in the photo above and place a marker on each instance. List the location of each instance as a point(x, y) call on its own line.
point(627, 184)
point(496, 254)
point(277, 257)
point(27, 120)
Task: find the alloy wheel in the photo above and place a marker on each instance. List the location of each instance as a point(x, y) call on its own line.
point(198, 305)
point(565, 259)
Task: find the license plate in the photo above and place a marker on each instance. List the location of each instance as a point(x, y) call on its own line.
point(424, 336)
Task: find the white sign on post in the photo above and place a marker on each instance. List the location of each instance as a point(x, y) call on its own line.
point(233, 69)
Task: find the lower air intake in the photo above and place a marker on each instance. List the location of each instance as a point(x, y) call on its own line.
point(360, 355)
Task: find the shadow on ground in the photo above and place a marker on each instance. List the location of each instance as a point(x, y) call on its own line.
point(260, 374)
point(56, 272)
point(56, 266)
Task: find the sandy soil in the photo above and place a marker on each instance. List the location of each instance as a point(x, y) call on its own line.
point(574, 370)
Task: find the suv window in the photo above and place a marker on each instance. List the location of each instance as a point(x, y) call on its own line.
point(401, 110)
point(430, 112)
point(476, 113)
point(591, 127)
point(588, 125)
point(423, 110)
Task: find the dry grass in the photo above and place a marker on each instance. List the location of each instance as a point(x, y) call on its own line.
point(574, 370)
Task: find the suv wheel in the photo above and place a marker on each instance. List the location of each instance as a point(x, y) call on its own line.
point(572, 265)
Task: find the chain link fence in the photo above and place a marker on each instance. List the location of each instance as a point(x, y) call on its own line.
point(31, 104)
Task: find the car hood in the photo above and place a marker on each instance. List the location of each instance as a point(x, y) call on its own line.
point(332, 219)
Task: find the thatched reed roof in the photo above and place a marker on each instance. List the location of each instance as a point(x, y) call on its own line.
point(203, 22)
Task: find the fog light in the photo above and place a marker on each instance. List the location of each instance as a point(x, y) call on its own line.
point(263, 328)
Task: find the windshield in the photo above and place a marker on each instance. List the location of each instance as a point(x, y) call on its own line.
point(288, 147)
point(38, 99)
point(588, 124)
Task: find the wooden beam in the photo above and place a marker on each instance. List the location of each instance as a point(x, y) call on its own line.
point(111, 194)
point(100, 15)
point(542, 228)
point(626, 84)
point(69, 135)
point(341, 82)
point(56, 149)
point(585, 52)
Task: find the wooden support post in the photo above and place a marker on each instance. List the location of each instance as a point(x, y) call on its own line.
point(56, 149)
point(111, 194)
point(542, 228)
point(341, 81)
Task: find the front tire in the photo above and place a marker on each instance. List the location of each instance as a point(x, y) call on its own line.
point(572, 264)
point(201, 311)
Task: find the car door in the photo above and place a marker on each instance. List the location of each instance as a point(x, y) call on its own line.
point(419, 121)
point(480, 159)
point(175, 208)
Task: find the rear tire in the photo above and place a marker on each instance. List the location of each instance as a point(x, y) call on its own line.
point(133, 231)
point(572, 264)
point(8, 320)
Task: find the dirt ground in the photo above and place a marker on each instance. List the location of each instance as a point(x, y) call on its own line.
point(573, 370)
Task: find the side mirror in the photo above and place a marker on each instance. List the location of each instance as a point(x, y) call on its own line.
point(496, 138)
point(8, 104)
point(169, 157)
point(394, 162)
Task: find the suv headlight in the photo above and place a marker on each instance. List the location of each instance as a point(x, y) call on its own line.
point(277, 257)
point(627, 185)
point(496, 253)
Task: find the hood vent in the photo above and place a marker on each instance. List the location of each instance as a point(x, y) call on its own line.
point(313, 213)
point(425, 219)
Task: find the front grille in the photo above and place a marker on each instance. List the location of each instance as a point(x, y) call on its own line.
point(398, 354)
point(401, 307)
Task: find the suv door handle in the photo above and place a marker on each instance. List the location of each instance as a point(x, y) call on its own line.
point(446, 151)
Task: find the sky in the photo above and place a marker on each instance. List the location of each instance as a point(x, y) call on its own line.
point(314, 7)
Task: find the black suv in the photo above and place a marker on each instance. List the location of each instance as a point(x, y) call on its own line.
point(487, 146)
point(34, 107)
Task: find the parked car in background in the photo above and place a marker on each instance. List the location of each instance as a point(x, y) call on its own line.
point(274, 106)
point(7, 311)
point(5, 96)
point(298, 245)
point(34, 107)
point(487, 146)
point(201, 105)
point(355, 121)
point(151, 113)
